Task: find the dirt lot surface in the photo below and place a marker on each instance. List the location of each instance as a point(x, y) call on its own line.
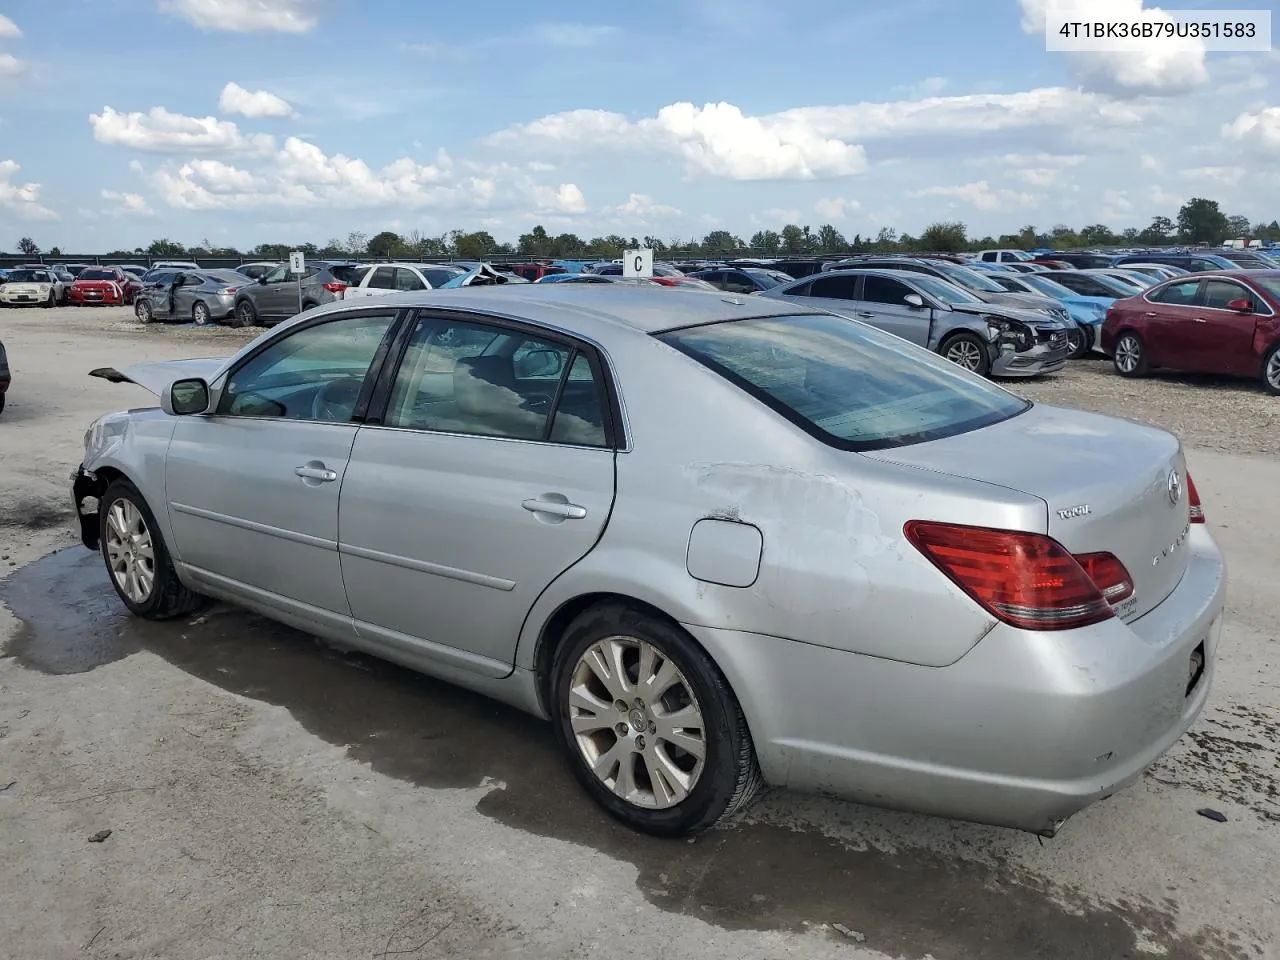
point(268, 798)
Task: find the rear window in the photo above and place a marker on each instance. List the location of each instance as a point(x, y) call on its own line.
point(849, 385)
point(345, 274)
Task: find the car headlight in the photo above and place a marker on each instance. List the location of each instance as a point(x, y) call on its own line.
point(1010, 333)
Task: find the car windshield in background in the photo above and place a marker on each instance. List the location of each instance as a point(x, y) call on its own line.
point(229, 277)
point(969, 278)
point(97, 275)
point(766, 278)
point(439, 276)
point(852, 386)
point(1050, 288)
point(344, 273)
point(28, 276)
point(944, 291)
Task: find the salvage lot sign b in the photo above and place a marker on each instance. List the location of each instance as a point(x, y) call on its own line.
point(638, 263)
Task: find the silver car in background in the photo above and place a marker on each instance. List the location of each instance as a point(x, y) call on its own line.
point(988, 339)
point(716, 541)
point(189, 296)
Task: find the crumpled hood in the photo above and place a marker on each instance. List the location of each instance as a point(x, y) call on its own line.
point(156, 377)
point(1009, 312)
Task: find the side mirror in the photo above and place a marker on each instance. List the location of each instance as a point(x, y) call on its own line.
point(262, 279)
point(914, 300)
point(1240, 305)
point(185, 397)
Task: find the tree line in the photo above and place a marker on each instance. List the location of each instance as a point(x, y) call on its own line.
point(1199, 221)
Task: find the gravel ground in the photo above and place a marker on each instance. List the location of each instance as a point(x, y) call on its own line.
point(269, 798)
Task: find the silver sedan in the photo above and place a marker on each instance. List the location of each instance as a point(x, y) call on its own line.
point(718, 542)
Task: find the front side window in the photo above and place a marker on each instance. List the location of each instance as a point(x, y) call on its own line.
point(280, 274)
point(315, 373)
point(478, 379)
point(1177, 294)
point(852, 386)
point(884, 290)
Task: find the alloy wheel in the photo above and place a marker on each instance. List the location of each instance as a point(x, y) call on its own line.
point(200, 314)
point(1273, 371)
point(1128, 353)
point(1075, 341)
point(637, 722)
point(130, 552)
point(966, 354)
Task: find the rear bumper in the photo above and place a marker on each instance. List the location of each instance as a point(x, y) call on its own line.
point(1023, 731)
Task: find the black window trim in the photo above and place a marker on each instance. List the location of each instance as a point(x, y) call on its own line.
point(617, 436)
point(366, 389)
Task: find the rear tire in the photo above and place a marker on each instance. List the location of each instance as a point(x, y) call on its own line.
point(1130, 355)
point(200, 314)
point(623, 737)
point(137, 559)
point(967, 350)
point(1270, 371)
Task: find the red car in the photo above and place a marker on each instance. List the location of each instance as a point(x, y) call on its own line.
point(101, 285)
point(1220, 322)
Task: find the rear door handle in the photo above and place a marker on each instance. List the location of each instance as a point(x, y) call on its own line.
point(1148, 314)
point(554, 508)
point(314, 471)
point(1200, 319)
point(865, 313)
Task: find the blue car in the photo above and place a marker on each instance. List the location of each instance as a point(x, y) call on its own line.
point(1087, 312)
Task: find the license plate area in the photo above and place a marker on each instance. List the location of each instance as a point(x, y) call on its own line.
point(1195, 668)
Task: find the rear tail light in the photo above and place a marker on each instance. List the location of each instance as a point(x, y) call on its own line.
point(227, 291)
point(1193, 499)
point(1026, 580)
point(1108, 574)
point(334, 286)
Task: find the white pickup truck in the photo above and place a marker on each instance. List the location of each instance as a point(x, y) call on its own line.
point(380, 279)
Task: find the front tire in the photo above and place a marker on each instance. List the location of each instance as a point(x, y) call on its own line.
point(1270, 371)
point(968, 351)
point(648, 724)
point(1130, 355)
point(51, 302)
point(142, 310)
point(137, 559)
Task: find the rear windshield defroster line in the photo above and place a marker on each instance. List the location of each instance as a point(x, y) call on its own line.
point(847, 384)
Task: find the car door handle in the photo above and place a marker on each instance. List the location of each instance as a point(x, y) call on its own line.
point(1199, 319)
point(865, 313)
point(310, 471)
point(554, 508)
point(1148, 314)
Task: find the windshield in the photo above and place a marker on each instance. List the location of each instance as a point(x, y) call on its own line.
point(1269, 284)
point(849, 385)
point(1121, 288)
point(28, 276)
point(944, 291)
point(97, 275)
point(767, 278)
point(1050, 288)
point(969, 279)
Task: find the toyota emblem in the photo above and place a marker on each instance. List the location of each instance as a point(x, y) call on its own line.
point(1175, 487)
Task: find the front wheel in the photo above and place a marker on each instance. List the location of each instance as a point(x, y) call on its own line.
point(1130, 356)
point(51, 302)
point(137, 559)
point(1270, 371)
point(142, 310)
point(967, 350)
point(649, 725)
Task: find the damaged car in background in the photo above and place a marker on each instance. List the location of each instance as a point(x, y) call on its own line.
point(717, 542)
point(988, 339)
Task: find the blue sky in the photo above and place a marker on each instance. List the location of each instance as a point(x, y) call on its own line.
point(244, 121)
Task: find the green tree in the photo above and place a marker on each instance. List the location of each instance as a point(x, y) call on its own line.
point(28, 247)
point(1028, 238)
point(385, 245)
point(793, 240)
point(535, 243)
point(1130, 235)
point(164, 247)
point(766, 241)
point(1097, 235)
point(944, 237)
point(831, 240)
point(472, 246)
point(272, 251)
point(1159, 232)
point(720, 242)
point(1200, 221)
point(886, 240)
point(1239, 228)
point(55, 251)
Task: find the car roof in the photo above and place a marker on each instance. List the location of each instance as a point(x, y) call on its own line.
point(587, 308)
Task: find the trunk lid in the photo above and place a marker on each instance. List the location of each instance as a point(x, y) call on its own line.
point(1106, 484)
point(157, 377)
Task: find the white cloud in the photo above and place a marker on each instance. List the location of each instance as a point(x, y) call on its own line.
point(809, 143)
point(246, 16)
point(21, 199)
point(572, 34)
point(981, 196)
point(928, 87)
point(8, 29)
point(1222, 176)
point(133, 203)
point(837, 208)
point(642, 207)
point(1154, 69)
point(159, 131)
point(253, 103)
point(716, 140)
point(1259, 131)
point(566, 198)
point(10, 66)
point(1149, 163)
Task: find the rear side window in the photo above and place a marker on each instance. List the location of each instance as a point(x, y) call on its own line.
point(349, 275)
point(851, 386)
point(384, 278)
point(1177, 294)
point(841, 286)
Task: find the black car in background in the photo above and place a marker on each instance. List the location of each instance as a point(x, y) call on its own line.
point(742, 279)
point(4, 376)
